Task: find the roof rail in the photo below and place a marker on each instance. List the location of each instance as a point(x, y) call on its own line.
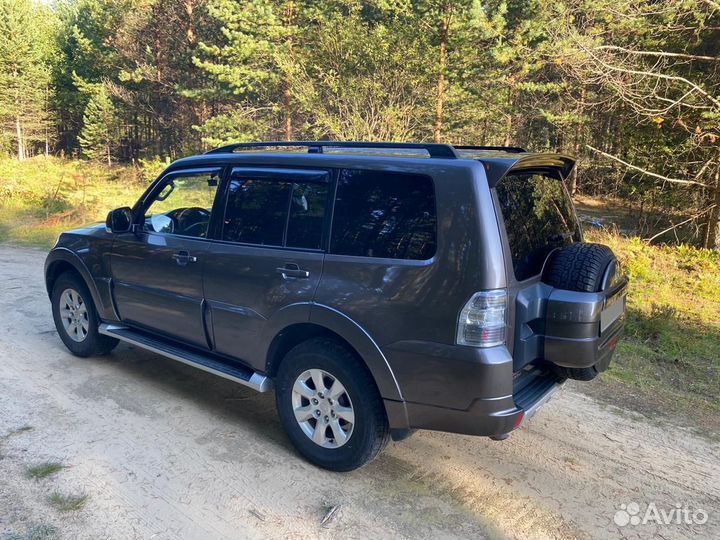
point(511, 149)
point(316, 147)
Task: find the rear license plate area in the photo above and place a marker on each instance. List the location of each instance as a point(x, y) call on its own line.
point(610, 314)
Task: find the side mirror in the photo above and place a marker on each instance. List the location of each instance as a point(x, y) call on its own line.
point(119, 220)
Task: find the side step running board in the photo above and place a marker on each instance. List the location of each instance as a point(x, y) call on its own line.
point(238, 374)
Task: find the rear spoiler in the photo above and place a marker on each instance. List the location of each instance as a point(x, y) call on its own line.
point(556, 165)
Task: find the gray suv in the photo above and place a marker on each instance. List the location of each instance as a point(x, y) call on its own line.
point(378, 288)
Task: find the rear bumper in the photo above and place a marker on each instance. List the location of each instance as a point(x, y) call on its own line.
point(461, 389)
point(582, 328)
point(567, 328)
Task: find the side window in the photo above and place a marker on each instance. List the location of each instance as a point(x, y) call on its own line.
point(384, 214)
point(275, 212)
point(307, 215)
point(183, 206)
point(256, 211)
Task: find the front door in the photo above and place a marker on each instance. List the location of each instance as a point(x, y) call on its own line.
point(157, 269)
point(269, 254)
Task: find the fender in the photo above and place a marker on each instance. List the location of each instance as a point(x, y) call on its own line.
point(61, 254)
point(364, 344)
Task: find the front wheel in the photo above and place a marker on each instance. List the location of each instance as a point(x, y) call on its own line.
point(76, 319)
point(329, 406)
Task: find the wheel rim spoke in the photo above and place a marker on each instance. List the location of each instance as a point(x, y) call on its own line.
point(338, 432)
point(345, 413)
point(303, 414)
point(336, 390)
point(303, 389)
point(317, 378)
point(318, 436)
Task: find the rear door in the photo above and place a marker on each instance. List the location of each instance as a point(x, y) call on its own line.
point(268, 254)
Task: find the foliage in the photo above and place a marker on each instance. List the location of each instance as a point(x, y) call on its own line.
point(40, 197)
point(99, 125)
point(670, 353)
point(26, 57)
point(631, 88)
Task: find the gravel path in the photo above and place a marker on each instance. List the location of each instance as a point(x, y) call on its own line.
point(167, 452)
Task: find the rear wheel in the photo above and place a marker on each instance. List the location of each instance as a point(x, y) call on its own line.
point(329, 406)
point(76, 318)
point(580, 267)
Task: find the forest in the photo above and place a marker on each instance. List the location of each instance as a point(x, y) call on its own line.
point(632, 89)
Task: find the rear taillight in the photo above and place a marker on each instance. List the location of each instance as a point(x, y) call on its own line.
point(482, 320)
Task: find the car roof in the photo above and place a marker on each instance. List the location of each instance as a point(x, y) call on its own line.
point(415, 157)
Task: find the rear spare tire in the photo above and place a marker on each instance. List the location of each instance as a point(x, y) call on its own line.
point(580, 267)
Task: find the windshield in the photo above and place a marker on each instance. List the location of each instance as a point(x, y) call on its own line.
point(539, 217)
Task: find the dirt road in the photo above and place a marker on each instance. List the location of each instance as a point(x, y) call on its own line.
point(164, 451)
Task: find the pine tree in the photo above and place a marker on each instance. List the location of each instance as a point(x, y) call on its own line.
point(25, 56)
point(99, 125)
point(262, 41)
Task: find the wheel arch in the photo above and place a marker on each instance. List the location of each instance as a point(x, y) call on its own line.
point(380, 371)
point(62, 260)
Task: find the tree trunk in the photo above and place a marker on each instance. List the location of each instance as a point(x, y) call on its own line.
point(287, 105)
point(442, 65)
point(712, 234)
point(508, 130)
point(20, 140)
point(288, 21)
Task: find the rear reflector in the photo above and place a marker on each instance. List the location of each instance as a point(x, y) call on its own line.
point(482, 319)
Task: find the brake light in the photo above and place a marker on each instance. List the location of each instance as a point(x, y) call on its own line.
point(482, 320)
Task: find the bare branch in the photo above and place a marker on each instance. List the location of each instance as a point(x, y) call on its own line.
point(712, 4)
point(648, 173)
point(656, 75)
point(659, 53)
point(681, 223)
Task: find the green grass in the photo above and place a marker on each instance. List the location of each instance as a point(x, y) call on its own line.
point(43, 470)
point(669, 357)
point(41, 197)
point(36, 532)
point(67, 503)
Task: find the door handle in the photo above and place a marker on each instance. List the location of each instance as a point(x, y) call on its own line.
point(292, 270)
point(182, 258)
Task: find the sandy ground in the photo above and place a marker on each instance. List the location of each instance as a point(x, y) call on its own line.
point(165, 451)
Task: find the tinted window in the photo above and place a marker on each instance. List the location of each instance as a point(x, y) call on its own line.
point(538, 216)
point(256, 211)
point(384, 214)
point(259, 210)
point(307, 215)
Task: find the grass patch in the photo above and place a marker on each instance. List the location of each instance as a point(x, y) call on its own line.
point(43, 470)
point(41, 197)
point(37, 532)
point(67, 502)
point(669, 357)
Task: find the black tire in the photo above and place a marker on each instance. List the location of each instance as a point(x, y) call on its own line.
point(94, 343)
point(370, 432)
point(579, 267)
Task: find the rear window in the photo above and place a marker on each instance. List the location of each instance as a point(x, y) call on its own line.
point(384, 214)
point(539, 217)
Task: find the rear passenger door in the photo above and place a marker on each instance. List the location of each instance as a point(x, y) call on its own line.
point(379, 268)
point(268, 255)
